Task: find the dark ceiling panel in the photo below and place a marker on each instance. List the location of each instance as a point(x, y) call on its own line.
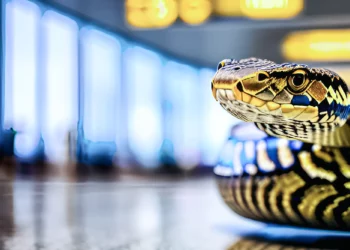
point(330, 7)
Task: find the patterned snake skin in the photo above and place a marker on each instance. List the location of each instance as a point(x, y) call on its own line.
point(299, 173)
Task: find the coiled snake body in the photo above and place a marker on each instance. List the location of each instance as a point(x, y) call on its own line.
point(300, 173)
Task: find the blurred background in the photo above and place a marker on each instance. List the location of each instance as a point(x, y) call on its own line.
point(122, 88)
point(125, 85)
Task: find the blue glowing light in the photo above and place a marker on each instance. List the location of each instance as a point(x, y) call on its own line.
point(21, 75)
point(101, 80)
point(180, 82)
point(143, 81)
point(216, 123)
point(61, 83)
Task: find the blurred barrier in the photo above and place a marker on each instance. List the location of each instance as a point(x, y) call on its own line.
point(330, 45)
point(78, 93)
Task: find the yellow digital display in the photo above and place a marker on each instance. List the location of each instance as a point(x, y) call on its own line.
point(317, 45)
point(151, 13)
point(227, 8)
point(271, 9)
point(195, 11)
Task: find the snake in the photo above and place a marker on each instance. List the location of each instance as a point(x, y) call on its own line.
point(298, 173)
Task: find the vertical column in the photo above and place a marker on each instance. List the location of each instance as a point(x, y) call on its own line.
point(216, 122)
point(143, 81)
point(181, 93)
point(61, 84)
point(101, 70)
point(2, 63)
point(22, 18)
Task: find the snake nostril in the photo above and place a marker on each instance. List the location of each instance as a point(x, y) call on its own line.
point(240, 87)
point(262, 77)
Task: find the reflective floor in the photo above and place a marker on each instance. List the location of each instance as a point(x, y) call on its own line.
point(136, 213)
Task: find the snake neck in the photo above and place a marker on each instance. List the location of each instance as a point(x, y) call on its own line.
point(316, 133)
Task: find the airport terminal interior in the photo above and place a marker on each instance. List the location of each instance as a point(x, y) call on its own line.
point(111, 135)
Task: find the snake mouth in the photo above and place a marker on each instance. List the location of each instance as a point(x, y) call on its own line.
point(234, 97)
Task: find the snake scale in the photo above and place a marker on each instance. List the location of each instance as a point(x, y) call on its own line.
point(299, 174)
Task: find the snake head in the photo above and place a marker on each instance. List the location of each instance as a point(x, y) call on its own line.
point(287, 100)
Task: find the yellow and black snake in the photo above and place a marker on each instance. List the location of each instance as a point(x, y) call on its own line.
point(299, 173)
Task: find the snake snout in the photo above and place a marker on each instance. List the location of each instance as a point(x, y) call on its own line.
point(223, 82)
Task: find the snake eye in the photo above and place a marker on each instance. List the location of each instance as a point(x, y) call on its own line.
point(298, 79)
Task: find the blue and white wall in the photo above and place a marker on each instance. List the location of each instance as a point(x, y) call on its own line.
point(127, 99)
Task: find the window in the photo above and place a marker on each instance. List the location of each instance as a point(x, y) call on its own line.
point(101, 83)
point(216, 122)
point(21, 75)
point(143, 74)
point(60, 36)
point(183, 96)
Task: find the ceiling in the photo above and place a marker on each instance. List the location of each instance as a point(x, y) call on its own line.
point(218, 38)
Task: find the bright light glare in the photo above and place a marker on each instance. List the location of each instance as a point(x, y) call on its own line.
point(261, 9)
point(101, 79)
point(163, 10)
point(181, 90)
point(195, 11)
point(227, 8)
point(60, 109)
point(22, 24)
point(151, 13)
point(216, 122)
point(226, 153)
point(330, 46)
point(266, 4)
point(318, 45)
point(149, 217)
point(143, 70)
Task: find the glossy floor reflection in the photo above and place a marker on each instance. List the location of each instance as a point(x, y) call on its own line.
point(126, 214)
point(254, 244)
point(284, 237)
